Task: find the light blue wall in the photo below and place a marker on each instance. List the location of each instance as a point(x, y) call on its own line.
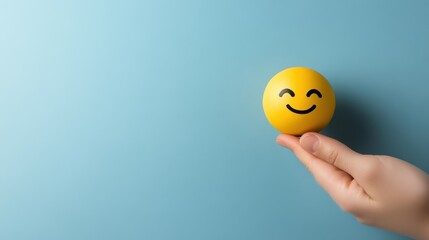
point(143, 119)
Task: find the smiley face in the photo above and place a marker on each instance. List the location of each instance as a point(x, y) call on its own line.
point(292, 94)
point(298, 100)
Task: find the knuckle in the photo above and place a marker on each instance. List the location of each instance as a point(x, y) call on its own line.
point(332, 156)
point(349, 207)
point(371, 169)
point(364, 221)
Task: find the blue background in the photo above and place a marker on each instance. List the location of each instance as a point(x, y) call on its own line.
point(143, 119)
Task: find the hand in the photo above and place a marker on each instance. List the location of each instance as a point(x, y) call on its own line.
point(380, 191)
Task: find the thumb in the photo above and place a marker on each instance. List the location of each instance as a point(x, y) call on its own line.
point(334, 153)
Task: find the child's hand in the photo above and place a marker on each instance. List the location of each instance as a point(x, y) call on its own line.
point(381, 191)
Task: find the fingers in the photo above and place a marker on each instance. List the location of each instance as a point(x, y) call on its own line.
point(340, 185)
point(307, 159)
point(337, 154)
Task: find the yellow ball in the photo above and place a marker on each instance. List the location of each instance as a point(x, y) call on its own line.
point(298, 100)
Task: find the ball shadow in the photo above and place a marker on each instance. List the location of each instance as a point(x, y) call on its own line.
point(366, 131)
point(352, 124)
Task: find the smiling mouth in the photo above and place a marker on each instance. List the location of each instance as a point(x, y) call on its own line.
point(301, 111)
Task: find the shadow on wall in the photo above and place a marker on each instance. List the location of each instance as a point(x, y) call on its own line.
point(352, 124)
point(363, 130)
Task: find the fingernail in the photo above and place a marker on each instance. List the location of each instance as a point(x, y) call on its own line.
point(309, 142)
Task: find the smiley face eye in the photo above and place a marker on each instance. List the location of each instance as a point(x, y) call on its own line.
point(286, 90)
point(315, 91)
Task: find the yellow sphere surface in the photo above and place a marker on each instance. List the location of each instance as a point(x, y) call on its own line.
point(298, 100)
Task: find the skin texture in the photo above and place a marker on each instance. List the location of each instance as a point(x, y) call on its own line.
point(380, 191)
